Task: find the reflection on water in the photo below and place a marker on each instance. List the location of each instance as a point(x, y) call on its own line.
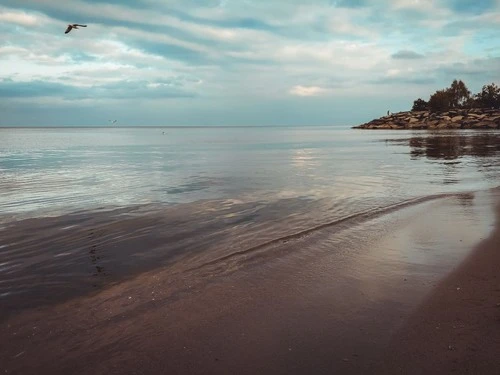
point(305, 159)
point(453, 146)
point(57, 171)
point(454, 150)
point(145, 201)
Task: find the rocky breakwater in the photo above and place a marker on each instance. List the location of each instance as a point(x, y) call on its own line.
point(453, 119)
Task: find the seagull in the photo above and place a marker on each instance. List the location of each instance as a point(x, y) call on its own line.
point(112, 121)
point(73, 26)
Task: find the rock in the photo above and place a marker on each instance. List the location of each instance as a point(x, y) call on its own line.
point(418, 125)
point(474, 118)
point(486, 124)
point(442, 125)
point(385, 126)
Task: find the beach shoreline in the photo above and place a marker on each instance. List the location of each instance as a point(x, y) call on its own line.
point(324, 304)
point(457, 328)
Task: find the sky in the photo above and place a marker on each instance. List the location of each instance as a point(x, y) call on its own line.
point(237, 62)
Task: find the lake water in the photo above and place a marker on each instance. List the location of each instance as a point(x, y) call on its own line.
point(55, 171)
point(80, 207)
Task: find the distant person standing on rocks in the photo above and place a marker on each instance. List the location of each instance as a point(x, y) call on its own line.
point(388, 112)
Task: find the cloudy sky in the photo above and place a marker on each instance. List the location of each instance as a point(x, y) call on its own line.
point(237, 62)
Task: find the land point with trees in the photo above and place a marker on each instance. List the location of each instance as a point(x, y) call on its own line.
point(450, 108)
point(458, 96)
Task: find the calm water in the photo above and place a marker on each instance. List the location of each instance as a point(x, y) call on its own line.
point(55, 171)
point(118, 201)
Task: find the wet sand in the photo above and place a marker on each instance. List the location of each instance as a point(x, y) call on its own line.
point(457, 329)
point(358, 298)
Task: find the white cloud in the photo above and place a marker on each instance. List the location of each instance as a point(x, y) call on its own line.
point(422, 5)
point(20, 18)
point(307, 90)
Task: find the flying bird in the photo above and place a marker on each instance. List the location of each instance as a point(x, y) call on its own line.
point(112, 121)
point(73, 26)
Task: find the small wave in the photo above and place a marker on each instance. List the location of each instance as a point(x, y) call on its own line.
point(355, 218)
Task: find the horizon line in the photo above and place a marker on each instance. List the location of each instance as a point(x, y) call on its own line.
point(156, 126)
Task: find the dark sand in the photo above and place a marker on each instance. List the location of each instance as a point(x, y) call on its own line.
point(323, 304)
point(457, 329)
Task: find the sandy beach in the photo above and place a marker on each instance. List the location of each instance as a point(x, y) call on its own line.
point(416, 291)
point(457, 328)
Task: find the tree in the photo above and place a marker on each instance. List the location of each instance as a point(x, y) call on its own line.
point(489, 97)
point(470, 103)
point(458, 93)
point(420, 105)
point(459, 96)
point(440, 101)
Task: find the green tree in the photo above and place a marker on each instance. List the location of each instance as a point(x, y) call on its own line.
point(420, 105)
point(440, 101)
point(489, 97)
point(459, 94)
